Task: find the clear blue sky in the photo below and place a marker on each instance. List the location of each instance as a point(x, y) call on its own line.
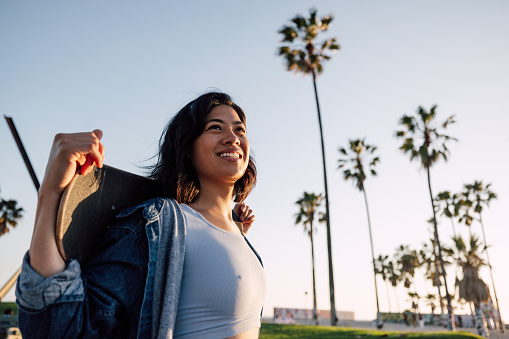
point(126, 67)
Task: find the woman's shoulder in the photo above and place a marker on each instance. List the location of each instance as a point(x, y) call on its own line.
point(149, 207)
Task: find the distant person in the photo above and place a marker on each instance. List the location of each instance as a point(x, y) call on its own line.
point(460, 321)
point(421, 321)
point(405, 318)
point(176, 266)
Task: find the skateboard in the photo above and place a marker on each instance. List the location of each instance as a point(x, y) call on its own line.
point(90, 204)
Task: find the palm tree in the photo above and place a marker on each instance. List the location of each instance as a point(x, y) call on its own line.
point(429, 260)
point(304, 54)
point(472, 288)
point(382, 268)
point(308, 206)
point(466, 206)
point(415, 298)
point(430, 301)
point(449, 201)
point(10, 213)
point(427, 144)
point(354, 162)
point(395, 278)
point(408, 262)
point(482, 197)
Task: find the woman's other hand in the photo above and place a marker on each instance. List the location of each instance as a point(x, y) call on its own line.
point(246, 216)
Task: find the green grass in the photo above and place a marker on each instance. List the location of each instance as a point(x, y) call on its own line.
point(273, 331)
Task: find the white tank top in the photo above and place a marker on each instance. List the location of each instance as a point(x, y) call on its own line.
point(223, 285)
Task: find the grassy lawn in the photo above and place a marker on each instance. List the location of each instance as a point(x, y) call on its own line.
point(272, 331)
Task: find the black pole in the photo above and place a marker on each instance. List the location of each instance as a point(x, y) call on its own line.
point(22, 150)
point(15, 134)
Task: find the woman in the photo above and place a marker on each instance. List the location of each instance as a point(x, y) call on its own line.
point(176, 266)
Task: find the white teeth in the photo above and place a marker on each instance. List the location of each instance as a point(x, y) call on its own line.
point(229, 155)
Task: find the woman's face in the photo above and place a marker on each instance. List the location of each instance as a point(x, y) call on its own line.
point(221, 152)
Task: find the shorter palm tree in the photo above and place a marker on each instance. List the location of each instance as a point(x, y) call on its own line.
point(10, 213)
point(408, 262)
point(472, 288)
point(394, 276)
point(482, 198)
point(359, 156)
point(449, 204)
point(429, 260)
point(308, 206)
point(382, 269)
point(430, 301)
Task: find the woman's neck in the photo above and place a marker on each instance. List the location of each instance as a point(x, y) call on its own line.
point(214, 201)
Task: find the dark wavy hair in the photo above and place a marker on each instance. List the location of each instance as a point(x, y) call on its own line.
point(174, 169)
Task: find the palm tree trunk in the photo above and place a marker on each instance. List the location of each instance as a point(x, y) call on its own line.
point(388, 296)
point(315, 311)
point(453, 228)
point(333, 317)
point(396, 298)
point(500, 321)
point(451, 322)
point(378, 319)
point(481, 322)
point(437, 282)
point(439, 291)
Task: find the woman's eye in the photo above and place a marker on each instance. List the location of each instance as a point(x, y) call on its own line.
point(241, 130)
point(214, 127)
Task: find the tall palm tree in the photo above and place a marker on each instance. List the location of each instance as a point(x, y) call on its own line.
point(308, 206)
point(472, 288)
point(482, 197)
point(449, 204)
point(356, 159)
point(303, 53)
point(10, 213)
point(426, 143)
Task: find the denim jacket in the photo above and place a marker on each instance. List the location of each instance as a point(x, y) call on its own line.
point(129, 289)
point(113, 295)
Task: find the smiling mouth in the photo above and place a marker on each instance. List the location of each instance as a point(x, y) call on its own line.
point(230, 155)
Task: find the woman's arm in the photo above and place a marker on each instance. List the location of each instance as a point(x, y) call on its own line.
point(69, 153)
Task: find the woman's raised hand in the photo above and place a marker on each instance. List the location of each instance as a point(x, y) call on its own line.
point(70, 153)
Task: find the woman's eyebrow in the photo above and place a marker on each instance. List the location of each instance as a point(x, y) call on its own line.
point(215, 120)
point(238, 122)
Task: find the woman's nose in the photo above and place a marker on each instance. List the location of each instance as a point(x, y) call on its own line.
point(231, 138)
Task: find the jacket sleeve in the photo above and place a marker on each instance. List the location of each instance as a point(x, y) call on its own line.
point(100, 300)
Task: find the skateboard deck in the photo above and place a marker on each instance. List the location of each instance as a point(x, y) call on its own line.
point(90, 203)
